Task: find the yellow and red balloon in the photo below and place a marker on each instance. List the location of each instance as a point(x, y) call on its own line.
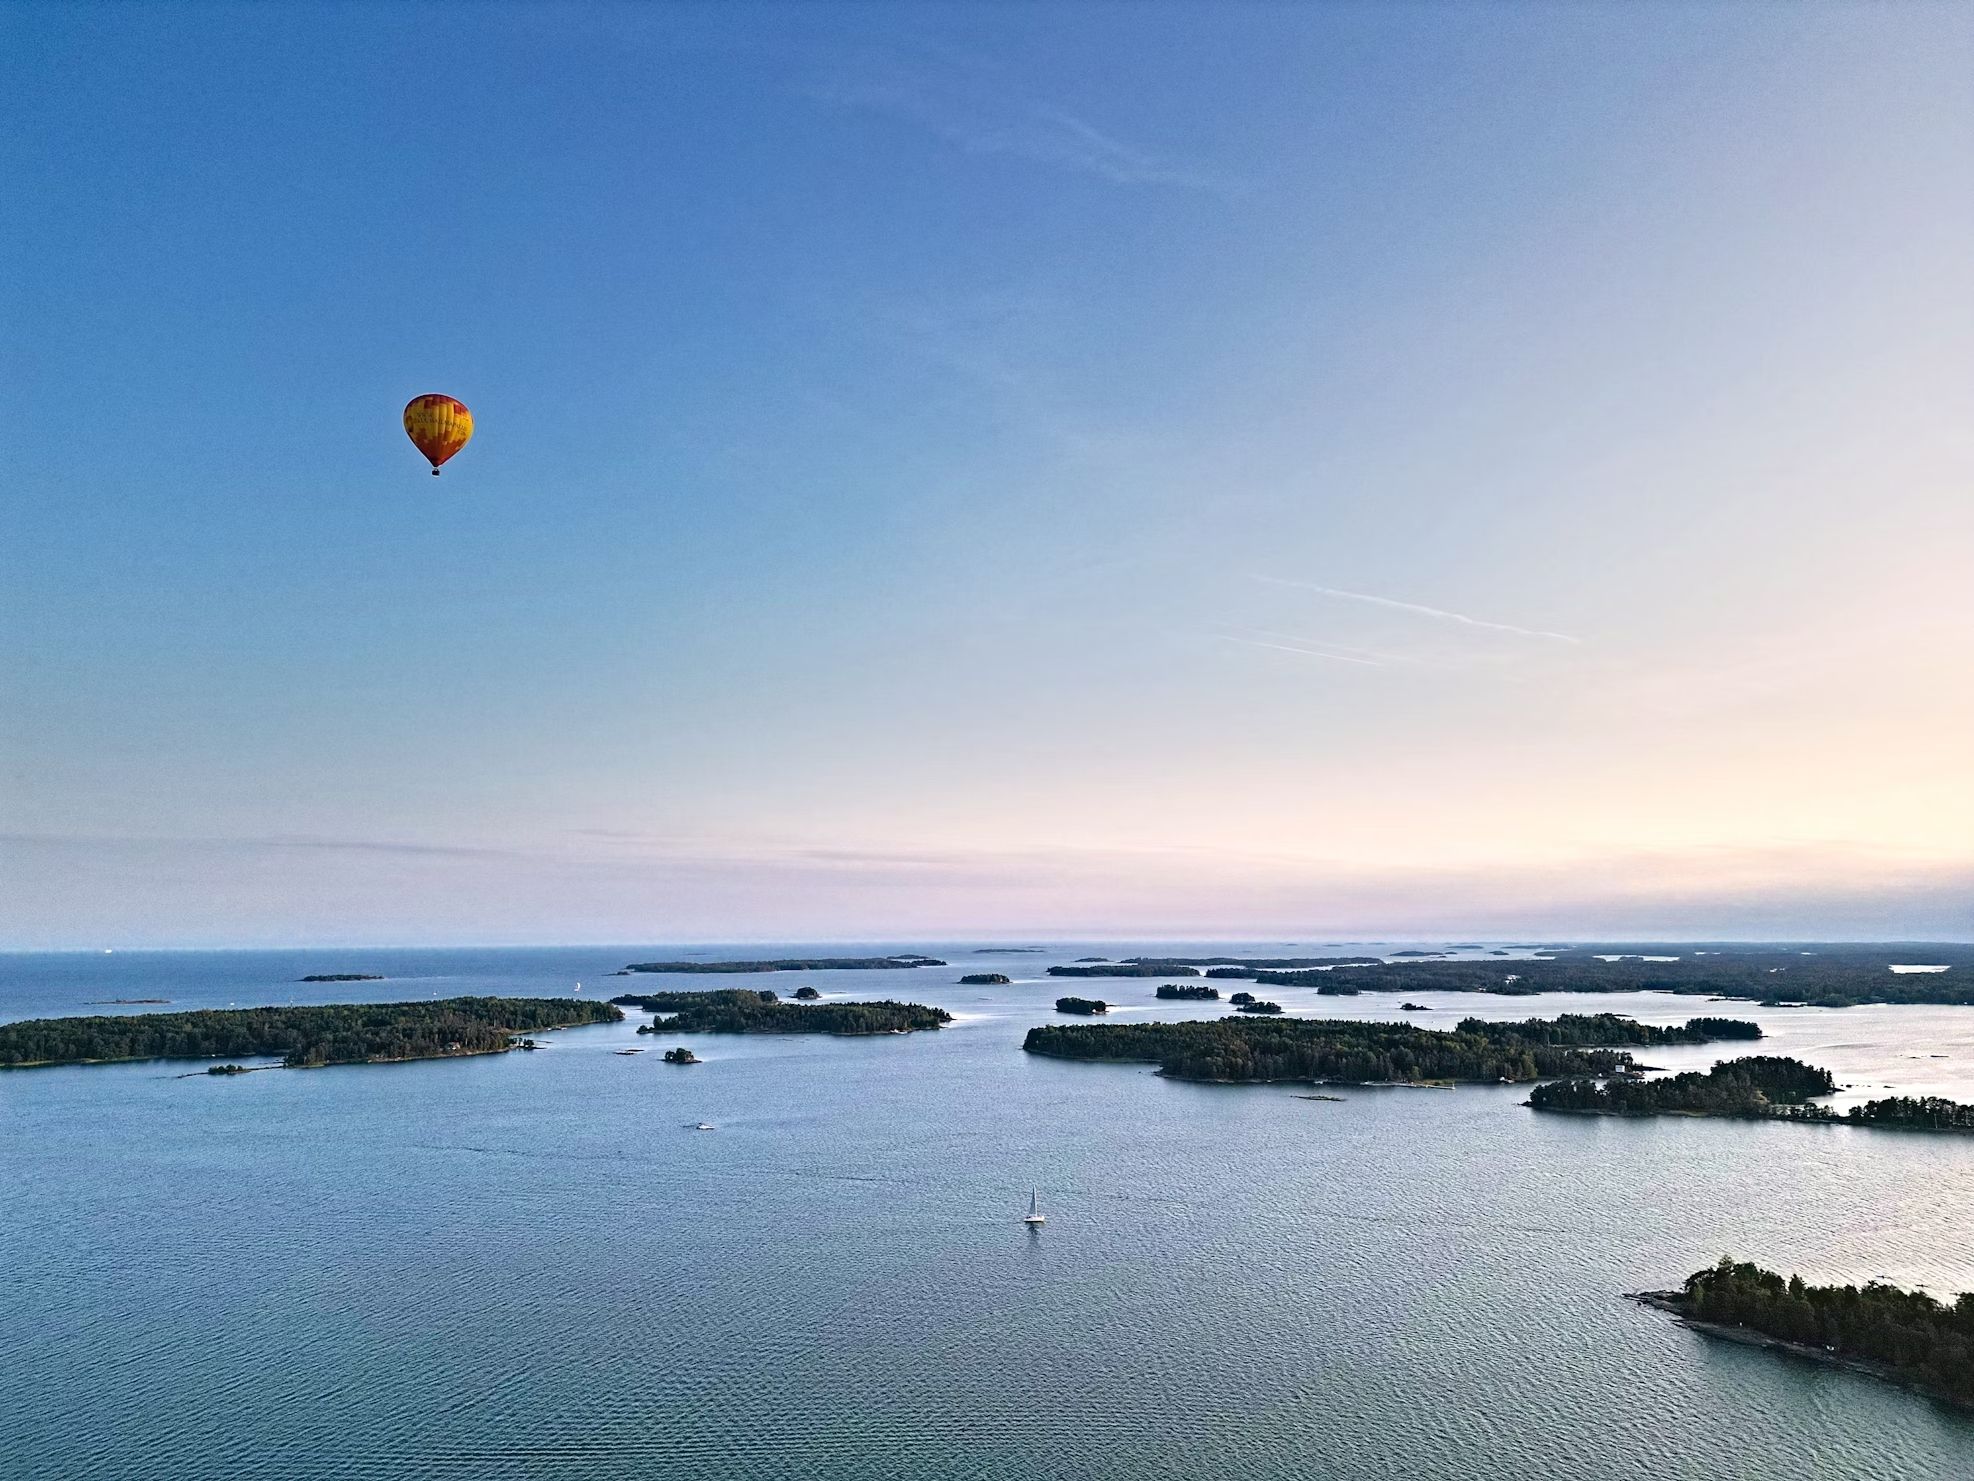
point(438, 427)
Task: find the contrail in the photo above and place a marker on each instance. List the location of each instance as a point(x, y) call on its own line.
point(1415, 607)
point(1371, 663)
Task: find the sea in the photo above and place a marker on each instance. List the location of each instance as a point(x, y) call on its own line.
point(531, 1265)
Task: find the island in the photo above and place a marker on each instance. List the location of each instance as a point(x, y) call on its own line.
point(1258, 1006)
point(341, 977)
point(758, 1011)
point(1081, 1005)
point(985, 979)
point(682, 1055)
point(1186, 992)
point(1261, 1050)
point(792, 964)
point(303, 1037)
point(1904, 1337)
point(229, 1069)
point(1248, 966)
point(1914, 1113)
point(1125, 969)
point(1414, 1008)
point(806, 994)
point(1239, 999)
point(1830, 975)
point(126, 1002)
point(1758, 1086)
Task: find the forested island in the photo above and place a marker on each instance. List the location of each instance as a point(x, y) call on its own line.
point(1760, 1085)
point(341, 977)
point(323, 1034)
point(1257, 1005)
point(1186, 992)
point(1081, 1005)
point(1831, 975)
point(1246, 966)
point(984, 979)
point(681, 1055)
point(758, 1011)
point(1125, 969)
point(806, 995)
point(792, 964)
point(1255, 1050)
point(1906, 1337)
point(1914, 1113)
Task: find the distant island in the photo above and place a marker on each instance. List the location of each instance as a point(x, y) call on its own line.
point(1766, 1087)
point(1256, 1005)
point(1247, 966)
point(126, 1002)
point(793, 964)
point(1830, 975)
point(340, 977)
point(1260, 1050)
point(1187, 992)
point(304, 1037)
point(1125, 969)
point(806, 994)
point(682, 1055)
point(985, 979)
point(752, 1011)
point(1904, 1337)
point(1413, 1008)
point(1081, 1005)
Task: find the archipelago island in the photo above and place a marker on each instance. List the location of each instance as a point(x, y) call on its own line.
point(746, 1010)
point(303, 1037)
point(791, 964)
point(1268, 1049)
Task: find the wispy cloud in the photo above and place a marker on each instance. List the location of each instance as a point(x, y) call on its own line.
point(983, 117)
point(1419, 609)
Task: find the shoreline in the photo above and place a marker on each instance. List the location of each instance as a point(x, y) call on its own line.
point(1673, 1304)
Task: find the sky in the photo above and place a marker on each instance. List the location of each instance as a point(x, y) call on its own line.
point(1070, 470)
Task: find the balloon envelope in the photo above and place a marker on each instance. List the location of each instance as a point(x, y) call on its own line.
point(438, 426)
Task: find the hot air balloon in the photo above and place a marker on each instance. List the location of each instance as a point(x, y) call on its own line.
point(438, 426)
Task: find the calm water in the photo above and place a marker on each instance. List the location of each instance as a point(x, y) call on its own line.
point(525, 1266)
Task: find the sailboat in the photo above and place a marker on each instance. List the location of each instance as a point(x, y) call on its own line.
point(1034, 1214)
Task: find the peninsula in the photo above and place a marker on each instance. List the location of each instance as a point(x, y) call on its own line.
point(322, 1034)
point(758, 1011)
point(1904, 1337)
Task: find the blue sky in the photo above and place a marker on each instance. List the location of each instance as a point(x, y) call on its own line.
point(963, 467)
